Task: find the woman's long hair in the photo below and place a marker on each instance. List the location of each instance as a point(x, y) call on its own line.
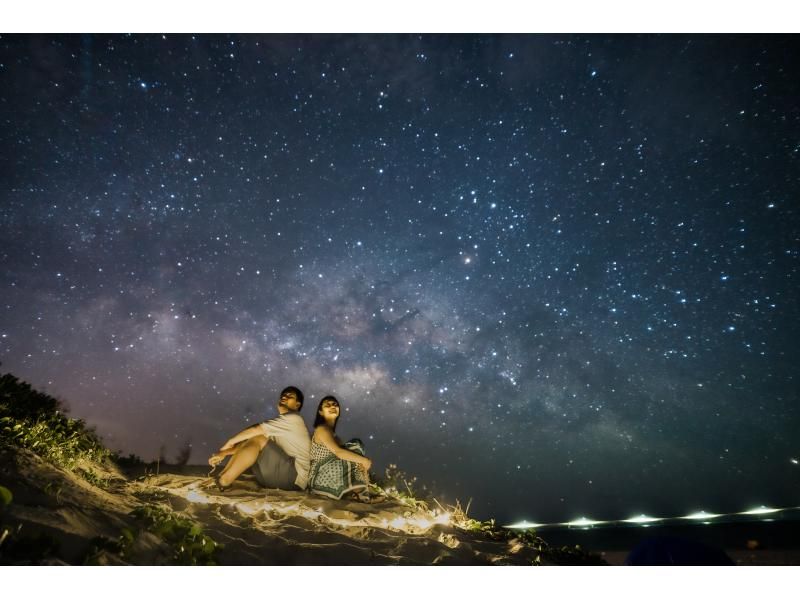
point(319, 420)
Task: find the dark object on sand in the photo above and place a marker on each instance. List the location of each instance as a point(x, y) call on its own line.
point(664, 550)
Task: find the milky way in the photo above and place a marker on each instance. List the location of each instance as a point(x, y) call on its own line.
point(554, 274)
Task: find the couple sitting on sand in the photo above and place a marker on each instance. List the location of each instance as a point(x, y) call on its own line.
point(281, 455)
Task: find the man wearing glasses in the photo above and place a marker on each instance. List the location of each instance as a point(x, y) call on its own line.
point(277, 450)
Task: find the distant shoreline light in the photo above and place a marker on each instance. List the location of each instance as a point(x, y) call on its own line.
point(762, 510)
point(585, 521)
point(642, 519)
point(645, 520)
point(702, 516)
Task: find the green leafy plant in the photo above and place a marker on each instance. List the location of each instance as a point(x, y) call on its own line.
point(573, 555)
point(5, 497)
point(400, 486)
point(130, 461)
point(34, 420)
point(100, 545)
point(54, 489)
point(90, 475)
point(190, 545)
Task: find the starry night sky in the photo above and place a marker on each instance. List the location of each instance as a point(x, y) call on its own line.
point(556, 274)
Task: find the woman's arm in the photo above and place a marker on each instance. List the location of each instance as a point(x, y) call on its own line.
point(324, 436)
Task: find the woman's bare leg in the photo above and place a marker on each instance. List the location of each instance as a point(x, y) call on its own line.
point(244, 457)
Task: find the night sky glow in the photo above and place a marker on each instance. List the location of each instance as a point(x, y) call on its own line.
point(556, 274)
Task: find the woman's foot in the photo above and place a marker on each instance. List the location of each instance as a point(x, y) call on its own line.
point(364, 497)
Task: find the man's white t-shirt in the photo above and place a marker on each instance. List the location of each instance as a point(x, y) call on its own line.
point(289, 432)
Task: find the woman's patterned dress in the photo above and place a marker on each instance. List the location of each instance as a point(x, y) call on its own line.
point(334, 477)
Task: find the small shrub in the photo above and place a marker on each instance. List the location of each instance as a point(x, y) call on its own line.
point(100, 545)
point(130, 461)
point(184, 454)
point(190, 545)
point(90, 475)
point(35, 421)
point(400, 486)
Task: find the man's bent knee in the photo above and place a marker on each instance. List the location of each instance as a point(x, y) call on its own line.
point(260, 441)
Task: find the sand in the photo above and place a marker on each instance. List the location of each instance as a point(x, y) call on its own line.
point(57, 517)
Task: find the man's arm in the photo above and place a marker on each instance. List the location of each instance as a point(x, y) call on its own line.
point(245, 434)
point(219, 457)
point(229, 447)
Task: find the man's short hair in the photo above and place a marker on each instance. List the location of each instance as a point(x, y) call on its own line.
point(298, 393)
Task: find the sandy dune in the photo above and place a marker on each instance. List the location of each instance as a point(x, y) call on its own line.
point(58, 517)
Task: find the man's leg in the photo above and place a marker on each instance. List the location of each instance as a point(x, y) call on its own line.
point(275, 469)
point(244, 457)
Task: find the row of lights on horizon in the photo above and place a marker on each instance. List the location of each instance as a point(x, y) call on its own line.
point(703, 516)
point(645, 520)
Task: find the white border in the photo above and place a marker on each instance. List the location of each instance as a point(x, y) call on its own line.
point(423, 16)
point(403, 582)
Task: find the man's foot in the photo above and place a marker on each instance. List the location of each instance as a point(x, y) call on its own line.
point(215, 484)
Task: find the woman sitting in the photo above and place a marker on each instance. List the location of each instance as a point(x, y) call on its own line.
point(337, 470)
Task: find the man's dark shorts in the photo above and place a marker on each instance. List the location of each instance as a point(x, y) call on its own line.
point(275, 469)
